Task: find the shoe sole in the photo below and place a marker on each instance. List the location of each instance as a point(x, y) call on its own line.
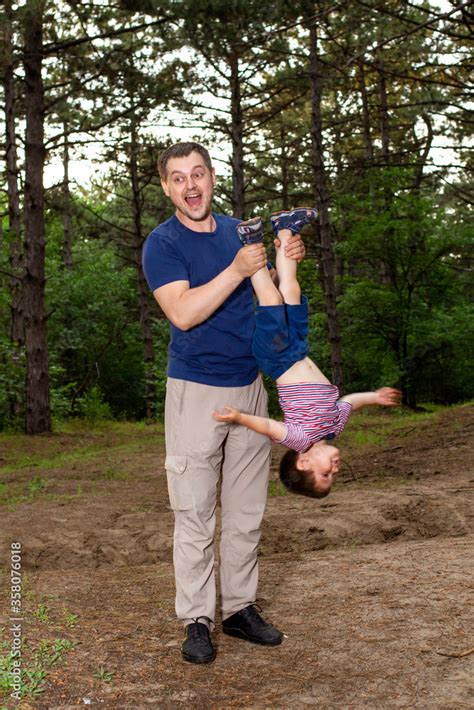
point(193, 659)
point(238, 634)
point(275, 219)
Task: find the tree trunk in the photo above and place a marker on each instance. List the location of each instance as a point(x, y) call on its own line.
point(143, 297)
point(38, 415)
point(285, 201)
point(147, 337)
point(67, 220)
point(369, 149)
point(15, 255)
point(383, 108)
point(14, 216)
point(236, 132)
point(328, 261)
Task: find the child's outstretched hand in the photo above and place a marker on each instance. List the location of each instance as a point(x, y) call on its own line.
point(228, 414)
point(388, 397)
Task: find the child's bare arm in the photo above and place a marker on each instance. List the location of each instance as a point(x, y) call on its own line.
point(385, 396)
point(262, 425)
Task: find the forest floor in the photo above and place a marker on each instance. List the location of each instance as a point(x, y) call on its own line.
point(371, 585)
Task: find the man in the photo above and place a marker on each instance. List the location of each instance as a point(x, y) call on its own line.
point(200, 275)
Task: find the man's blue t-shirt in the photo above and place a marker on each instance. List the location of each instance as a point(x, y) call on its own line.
point(218, 351)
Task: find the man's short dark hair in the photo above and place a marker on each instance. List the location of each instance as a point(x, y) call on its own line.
point(182, 150)
point(296, 480)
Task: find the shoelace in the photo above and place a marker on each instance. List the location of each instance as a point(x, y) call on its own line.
point(198, 631)
point(254, 611)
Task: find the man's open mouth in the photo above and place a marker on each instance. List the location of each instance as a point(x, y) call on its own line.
point(194, 199)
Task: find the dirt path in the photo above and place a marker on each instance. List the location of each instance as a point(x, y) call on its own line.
point(372, 586)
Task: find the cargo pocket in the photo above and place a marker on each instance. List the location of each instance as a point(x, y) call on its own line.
point(179, 489)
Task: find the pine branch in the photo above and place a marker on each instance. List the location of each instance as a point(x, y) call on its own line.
point(54, 48)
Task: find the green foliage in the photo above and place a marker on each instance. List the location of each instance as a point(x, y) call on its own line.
point(400, 302)
point(92, 407)
point(12, 372)
point(95, 349)
point(13, 493)
point(276, 489)
point(70, 618)
point(401, 230)
point(104, 675)
point(41, 613)
point(36, 663)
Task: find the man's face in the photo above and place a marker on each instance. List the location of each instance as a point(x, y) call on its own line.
point(190, 185)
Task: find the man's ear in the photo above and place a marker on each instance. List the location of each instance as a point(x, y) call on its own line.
point(213, 174)
point(165, 188)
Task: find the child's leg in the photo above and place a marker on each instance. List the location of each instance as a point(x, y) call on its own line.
point(265, 290)
point(284, 224)
point(250, 232)
point(286, 269)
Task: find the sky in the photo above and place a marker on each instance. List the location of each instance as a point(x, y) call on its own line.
point(172, 124)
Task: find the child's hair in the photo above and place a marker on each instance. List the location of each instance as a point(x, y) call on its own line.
point(182, 150)
point(296, 480)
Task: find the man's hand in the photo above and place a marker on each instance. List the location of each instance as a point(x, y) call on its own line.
point(294, 249)
point(250, 259)
point(387, 397)
point(228, 414)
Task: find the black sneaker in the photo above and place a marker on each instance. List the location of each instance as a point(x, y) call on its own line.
point(247, 624)
point(250, 231)
point(197, 645)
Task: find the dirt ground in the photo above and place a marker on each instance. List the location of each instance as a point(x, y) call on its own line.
point(372, 586)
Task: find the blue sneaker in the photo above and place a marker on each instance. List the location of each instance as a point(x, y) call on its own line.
point(250, 231)
point(294, 220)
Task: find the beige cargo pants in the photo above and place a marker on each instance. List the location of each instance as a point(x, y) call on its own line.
point(200, 450)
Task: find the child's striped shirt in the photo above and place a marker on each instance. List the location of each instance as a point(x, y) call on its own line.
point(312, 412)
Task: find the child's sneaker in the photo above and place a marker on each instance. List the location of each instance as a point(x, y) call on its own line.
point(275, 218)
point(250, 231)
point(294, 220)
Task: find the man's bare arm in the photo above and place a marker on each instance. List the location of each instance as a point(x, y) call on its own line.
point(186, 307)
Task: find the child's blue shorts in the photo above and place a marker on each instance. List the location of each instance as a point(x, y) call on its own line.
point(281, 337)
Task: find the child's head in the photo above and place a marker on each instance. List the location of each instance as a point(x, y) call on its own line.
point(312, 472)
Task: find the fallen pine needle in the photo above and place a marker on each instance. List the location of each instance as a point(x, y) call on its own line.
point(460, 654)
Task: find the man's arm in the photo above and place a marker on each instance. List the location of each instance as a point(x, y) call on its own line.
point(294, 248)
point(385, 396)
point(186, 307)
point(262, 425)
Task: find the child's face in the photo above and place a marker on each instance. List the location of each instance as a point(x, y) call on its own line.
point(323, 461)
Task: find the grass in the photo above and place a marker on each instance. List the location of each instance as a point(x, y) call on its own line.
point(104, 675)
point(77, 442)
point(111, 475)
point(70, 619)
point(36, 661)
point(68, 458)
point(41, 613)
point(370, 428)
point(114, 437)
point(14, 493)
point(275, 488)
point(38, 657)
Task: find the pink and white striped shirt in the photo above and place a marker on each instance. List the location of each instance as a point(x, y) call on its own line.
point(311, 412)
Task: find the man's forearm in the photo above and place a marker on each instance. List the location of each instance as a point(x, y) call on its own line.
point(195, 305)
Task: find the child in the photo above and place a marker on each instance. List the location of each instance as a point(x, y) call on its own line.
point(313, 412)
